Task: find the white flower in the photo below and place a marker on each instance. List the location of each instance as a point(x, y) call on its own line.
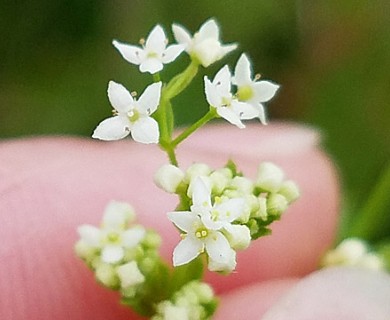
point(226, 267)
point(205, 45)
point(251, 91)
point(203, 227)
point(269, 177)
point(112, 238)
point(131, 115)
point(153, 54)
point(219, 96)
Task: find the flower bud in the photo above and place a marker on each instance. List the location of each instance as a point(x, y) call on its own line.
point(168, 177)
point(196, 170)
point(276, 204)
point(224, 267)
point(242, 184)
point(129, 275)
point(289, 190)
point(269, 177)
point(239, 236)
point(106, 275)
point(219, 180)
point(84, 251)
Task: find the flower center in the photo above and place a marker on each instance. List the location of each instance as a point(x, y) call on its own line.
point(201, 233)
point(152, 55)
point(245, 93)
point(133, 115)
point(113, 237)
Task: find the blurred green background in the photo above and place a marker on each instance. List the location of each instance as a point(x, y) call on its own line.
point(331, 57)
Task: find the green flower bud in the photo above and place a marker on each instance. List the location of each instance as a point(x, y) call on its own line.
point(106, 275)
point(289, 190)
point(276, 204)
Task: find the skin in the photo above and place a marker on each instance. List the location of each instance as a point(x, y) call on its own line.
point(49, 186)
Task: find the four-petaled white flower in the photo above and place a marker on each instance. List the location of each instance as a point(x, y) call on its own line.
point(205, 45)
point(131, 115)
point(251, 91)
point(203, 227)
point(112, 238)
point(219, 96)
point(154, 53)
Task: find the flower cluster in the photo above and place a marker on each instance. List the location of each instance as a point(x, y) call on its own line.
point(123, 258)
point(193, 301)
point(354, 252)
point(221, 211)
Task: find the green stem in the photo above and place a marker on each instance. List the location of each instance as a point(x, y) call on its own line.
point(373, 219)
point(156, 77)
point(211, 114)
point(181, 81)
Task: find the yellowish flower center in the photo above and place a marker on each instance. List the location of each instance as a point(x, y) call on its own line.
point(201, 233)
point(245, 93)
point(133, 115)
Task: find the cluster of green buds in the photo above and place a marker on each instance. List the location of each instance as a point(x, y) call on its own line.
point(124, 257)
point(193, 301)
point(221, 211)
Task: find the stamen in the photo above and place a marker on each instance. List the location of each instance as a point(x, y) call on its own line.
point(257, 76)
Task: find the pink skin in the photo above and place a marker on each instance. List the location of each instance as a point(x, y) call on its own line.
point(49, 186)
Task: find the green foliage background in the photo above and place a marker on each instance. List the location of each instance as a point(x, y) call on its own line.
point(331, 57)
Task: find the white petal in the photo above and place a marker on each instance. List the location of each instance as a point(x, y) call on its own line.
point(217, 247)
point(231, 209)
point(131, 237)
point(226, 266)
point(201, 194)
point(209, 29)
point(209, 223)
point(182, 36)
point(112, 254)
point(156, 41)
point(184, 220)
point(222, 81)
point(187, 250)
point(261, 111)
point(172, 52)
point(113, 128)
point(149, 100)
point(90, 235)
point(242, 72)
point(228, 48)
point(151, 65)
point(229, 115)
point(132, 54)
point(264, 90)
point(119, 97)
point(129, 274)
point(245, 110)
point(212, 95)
point(145, 130)
point(117, 214)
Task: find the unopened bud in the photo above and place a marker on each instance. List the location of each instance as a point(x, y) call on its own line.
point(130, 275)
point(276, 204)
point(269, 177)
point(106, 275)
point(289, 190)
point(168, 178)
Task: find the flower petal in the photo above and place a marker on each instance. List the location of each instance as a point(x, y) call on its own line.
point(209, 29)
point(212, 95)
point(243, 72)
point(112, 254)
point(181, 35)
point(172, 52)
point(264, 90)
point(231, 209)
point(132, 54)
point(217, 247)
point(151, 65)
point(131, 237)
point(149, 100)
point(201, 194)
point(229, 115)
point(90, 235)
point(225, 49)
point(113, 128)
point(222, 81)
point(119, 97)
point(245, 110)
point(145, 130)
point(187, 250)
point(261, 111)
point(117, 214)
point(184, 220)
point(156, 41)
